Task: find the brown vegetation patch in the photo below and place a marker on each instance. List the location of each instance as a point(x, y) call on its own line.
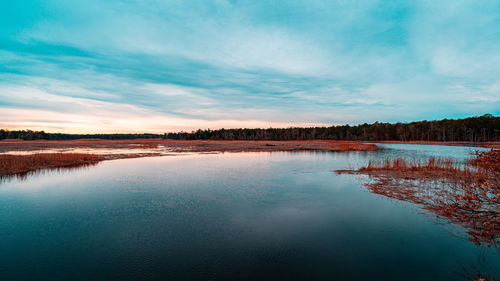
point(485, 144)
point(15, 164)
point(467, 194)
point(18, 164)
point(188, 145)
point(488, 160)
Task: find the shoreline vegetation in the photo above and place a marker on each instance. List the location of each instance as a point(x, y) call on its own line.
point(50, 153)
point(18, 156)
point(483, 131)
point(458, 193)
point(466, 194)
point(23, 164)
point(487, 144)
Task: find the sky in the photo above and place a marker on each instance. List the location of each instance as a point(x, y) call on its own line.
point(89, 66)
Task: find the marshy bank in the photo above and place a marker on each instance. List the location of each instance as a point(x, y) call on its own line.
point(484, 144)
point(18, 157)
point(21, 164)
point(159, 146)
point(465, 193)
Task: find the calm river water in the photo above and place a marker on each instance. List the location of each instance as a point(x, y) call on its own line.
point(236, 216)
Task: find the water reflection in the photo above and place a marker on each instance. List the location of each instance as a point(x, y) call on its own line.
point(20, 177)
point(462, 195)
point(132, 150)
point(466, 194)
point(231, 216)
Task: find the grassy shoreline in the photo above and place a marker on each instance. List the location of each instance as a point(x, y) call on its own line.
point(91, 151)
point(488, 144)
point(186, 145)
point(19, 164)
point(44, 154)
point(467, 194)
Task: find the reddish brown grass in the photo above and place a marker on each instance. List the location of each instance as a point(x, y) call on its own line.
point(17, 164)
point(190, 145)
point(467, 194)
point(402, 165)
point(489, 160)
point(353, 146)
point(488, 144)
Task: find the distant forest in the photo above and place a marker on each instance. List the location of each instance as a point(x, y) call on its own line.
point(473, 129)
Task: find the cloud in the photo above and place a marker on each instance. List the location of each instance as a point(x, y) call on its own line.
point(26, 107)
point(221, 63)
point(226, 41)
point(121, 122)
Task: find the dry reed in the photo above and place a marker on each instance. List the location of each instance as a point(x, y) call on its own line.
point(189, 145)
point(16, 164)
point(354, 146)
point(467, 193)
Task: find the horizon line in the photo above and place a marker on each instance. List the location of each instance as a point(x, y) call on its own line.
point(50, 131)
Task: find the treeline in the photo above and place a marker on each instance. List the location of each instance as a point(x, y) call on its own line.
point(473, 129)
point(33, 135)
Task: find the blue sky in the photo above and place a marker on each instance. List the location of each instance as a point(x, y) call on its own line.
point(156, 66)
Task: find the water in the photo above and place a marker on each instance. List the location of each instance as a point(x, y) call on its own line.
point(236, 216)
point(132, 149)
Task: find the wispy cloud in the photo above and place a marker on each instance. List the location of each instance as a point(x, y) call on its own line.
point(173, 65)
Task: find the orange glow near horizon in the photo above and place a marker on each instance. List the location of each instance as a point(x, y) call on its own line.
point(119, 122)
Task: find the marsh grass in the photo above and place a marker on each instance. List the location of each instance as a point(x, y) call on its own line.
point(461, 193)
point(354, 146)
point(18, 164)
point(189, 145)
point(464, 193)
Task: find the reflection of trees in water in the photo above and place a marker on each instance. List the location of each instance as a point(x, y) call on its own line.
point(462, 194)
